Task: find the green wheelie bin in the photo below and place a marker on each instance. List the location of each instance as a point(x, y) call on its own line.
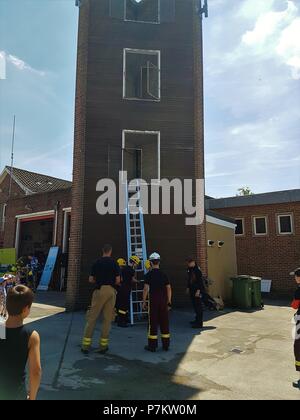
point(256, 292)
point(242, 292)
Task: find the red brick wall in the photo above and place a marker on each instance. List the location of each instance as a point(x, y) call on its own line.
point(16, 192)
point(93, 116)
point(199, 135)
point(75, 252)
point(273, 256)
point(33, 204)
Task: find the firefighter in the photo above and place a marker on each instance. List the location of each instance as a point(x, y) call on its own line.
point(296, 306)
point(196, 290)
point(147, 265)
point(127, 280)
point(105, 276)
point(158, 290)
point(121, 263)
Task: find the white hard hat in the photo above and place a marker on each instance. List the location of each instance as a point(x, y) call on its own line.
point(155, 256)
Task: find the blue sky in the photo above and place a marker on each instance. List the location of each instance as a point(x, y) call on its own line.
point(252, 90)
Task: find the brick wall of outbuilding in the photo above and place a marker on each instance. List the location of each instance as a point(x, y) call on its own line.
point(272, 256)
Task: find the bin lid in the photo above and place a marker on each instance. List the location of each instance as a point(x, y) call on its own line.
point(241, 278)
point(254, 279)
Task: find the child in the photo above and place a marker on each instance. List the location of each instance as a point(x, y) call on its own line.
point(296, 306)
point(21, 345)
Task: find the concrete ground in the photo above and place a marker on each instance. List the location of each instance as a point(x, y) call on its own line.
point(241, 355)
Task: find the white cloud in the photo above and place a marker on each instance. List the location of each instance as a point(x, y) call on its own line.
point(2, 66)
point(276, 34)
point(19, 63)
point(289, 47)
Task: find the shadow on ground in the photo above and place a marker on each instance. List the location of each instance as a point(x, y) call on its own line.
point(211, 365)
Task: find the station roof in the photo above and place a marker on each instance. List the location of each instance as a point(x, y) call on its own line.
point(33, 183)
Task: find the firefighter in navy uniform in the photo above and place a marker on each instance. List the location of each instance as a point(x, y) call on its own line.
point(158, 290)
point(196, 290)
point(127, 280)
point(296, 306)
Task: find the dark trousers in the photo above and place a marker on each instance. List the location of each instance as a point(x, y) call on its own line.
point(158, 318)
point(197, 305)
point(123, 303)
point(297, 354)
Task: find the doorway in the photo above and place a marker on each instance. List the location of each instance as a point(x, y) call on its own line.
point(141, 155)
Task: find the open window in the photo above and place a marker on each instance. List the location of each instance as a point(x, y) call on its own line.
point(141, 155)
point(142, 10)
point(141, 75)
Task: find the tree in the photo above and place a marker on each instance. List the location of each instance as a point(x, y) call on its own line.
point(244, 191)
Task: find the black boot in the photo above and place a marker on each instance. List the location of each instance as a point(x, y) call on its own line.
point(296, 384)
point(197, 325)
point(148, 348)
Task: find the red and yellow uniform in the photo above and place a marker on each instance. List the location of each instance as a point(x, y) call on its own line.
point(296, 306)
point(124, 293)
point(158, 282)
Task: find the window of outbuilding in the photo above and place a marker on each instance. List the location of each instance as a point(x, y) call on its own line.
point(285, 224)
point(260, 226)
point(240, 229)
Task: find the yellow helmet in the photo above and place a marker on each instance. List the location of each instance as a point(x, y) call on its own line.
point(136, 260)
point(147, 265)
point(121, 262)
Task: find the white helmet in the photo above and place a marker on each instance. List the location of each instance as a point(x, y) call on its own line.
point(154, 257)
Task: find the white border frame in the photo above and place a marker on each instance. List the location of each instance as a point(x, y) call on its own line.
point(146, 52)
point(20, 217)
point(291, 216)
point(254, 218)
point(66, 213)
point(3, 216)
point(152, 133)
point(142, 21)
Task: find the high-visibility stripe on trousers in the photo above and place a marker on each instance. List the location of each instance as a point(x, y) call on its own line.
point(103, 303)
point(158, 318)
point(297, 354)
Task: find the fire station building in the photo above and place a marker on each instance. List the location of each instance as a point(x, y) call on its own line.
point(37, 216)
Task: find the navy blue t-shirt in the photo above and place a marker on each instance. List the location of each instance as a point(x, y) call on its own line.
point(105, 271)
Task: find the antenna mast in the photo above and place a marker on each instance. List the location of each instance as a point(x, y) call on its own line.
point(12, 156)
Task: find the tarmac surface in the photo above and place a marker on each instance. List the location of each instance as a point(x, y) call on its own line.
point(239, 356)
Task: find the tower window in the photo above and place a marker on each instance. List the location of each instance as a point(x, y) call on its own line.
point(143, 10)
point(141, 75)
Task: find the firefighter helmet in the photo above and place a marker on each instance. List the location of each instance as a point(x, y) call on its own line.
point(121, 262)
point(135, 260)
point(147, 265)
point(154, 257)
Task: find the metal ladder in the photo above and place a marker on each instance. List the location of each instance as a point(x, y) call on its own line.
point(136, 245)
